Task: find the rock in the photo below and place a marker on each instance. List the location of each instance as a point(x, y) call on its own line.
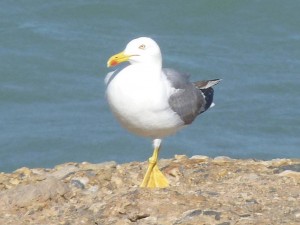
point(174, 172)
point(3, 178)
point(220, 191)
point(292, 174)
point(276, 162)
point(96, 207)
point(200, 157)
point(281, 162)
point(26, 195)
point(221, 160)
point(180, 157)
point(192, 213)
point(297, 213)
point(14, 181)
point(80, 182)
point(62, 171)
point(136, 217)
point(24, 171)
point(252, 177)
point(197, 216)
point(77, 183)
point(217, 215)
point(293, 167)
point(150, 220)
point(98, 166)
point(94, 188)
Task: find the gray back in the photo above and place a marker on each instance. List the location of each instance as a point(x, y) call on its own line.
point(188, 101)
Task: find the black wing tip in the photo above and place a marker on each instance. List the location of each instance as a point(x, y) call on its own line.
point(209, 97)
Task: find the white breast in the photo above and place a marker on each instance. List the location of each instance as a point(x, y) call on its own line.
point(139, 100)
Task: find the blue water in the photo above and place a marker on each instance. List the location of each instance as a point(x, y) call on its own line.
point(53, 61)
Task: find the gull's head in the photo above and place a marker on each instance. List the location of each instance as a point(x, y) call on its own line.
point(140, 50)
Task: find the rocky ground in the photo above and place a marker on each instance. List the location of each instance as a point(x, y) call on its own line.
point(203, 190)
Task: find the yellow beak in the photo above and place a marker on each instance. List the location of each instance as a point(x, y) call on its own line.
point(117, 59)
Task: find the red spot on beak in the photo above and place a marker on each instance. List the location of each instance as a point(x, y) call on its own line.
point(113, 63)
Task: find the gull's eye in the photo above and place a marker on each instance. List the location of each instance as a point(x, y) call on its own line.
point(142, 47)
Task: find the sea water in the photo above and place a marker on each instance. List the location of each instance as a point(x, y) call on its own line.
point(53, 58)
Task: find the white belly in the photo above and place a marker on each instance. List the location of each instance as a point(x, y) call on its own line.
point(140, 103)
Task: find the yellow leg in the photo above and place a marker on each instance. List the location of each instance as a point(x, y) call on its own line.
point(154, 177)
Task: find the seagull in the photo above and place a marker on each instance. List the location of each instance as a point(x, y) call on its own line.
point(152, 101)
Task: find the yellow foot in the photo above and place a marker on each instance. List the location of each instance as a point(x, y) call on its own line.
point(155, 179)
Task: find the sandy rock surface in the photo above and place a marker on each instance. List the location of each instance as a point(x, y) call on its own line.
point(221, 191)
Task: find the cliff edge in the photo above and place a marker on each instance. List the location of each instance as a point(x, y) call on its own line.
point(203, 190)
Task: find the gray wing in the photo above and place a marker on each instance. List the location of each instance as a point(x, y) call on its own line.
point(190, 99)
point(187, 101)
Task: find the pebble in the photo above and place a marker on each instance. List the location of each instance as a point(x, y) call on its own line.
point(77, 184)
point(200, 157)
point(3, 178)
point(96, 207)
point(290, 173)
point(14, 181)
point(98, 166)
point(297, 214)
point(220, 160)
point(64, 171)
point(276, 162)
point(180, 157)
point(174, 172)
point(135, 218)
point(252, 177)
point(83, 180)
point(24, 171)
point(94, 188)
